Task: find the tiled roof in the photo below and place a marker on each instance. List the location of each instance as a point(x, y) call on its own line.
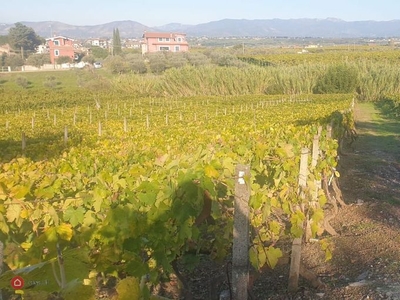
point(161, 34)
point(59, 37)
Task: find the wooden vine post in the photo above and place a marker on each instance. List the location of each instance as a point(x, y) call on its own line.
point(23, 143)
point(1, 264)
point(65, 135)
point(241, 232)
point(295, 260)
point(317, 183)
point(100, 129)
point(125, 125)
point(329, 131)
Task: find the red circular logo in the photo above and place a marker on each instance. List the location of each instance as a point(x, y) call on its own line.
point(17, 282)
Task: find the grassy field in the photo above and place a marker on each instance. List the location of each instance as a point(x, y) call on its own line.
point(63, 79)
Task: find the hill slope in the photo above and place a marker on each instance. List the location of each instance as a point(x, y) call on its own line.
point(328, 28)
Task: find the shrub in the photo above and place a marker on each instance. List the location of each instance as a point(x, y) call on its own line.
point(22, 82)
point(51, 82)
point(225, 59)
point(38, 60)
point(176, 60)
point(89, 59)
point(197, 59)
point(338, 79)
point(117, 64)
point(63, 60)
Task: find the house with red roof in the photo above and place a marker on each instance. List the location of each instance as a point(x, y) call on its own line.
point(164, 41)
point(61, 46)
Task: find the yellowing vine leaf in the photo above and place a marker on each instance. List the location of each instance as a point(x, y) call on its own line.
point(64, 231)
point(211, 172)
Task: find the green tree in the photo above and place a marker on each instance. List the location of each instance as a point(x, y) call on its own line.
point(176, 60)
point(3, 39)
point(117, 48)
point(23, 38)
point(136, 62)
point(38, 60)
point(157, 62)
point(337, 79)
point(98, 52)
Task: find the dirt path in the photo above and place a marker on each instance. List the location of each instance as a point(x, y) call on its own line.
point(372, 169)
point(366, 259)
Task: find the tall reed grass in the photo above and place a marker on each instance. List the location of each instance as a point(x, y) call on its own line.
point(376, 79)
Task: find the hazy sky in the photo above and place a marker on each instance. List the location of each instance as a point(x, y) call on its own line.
point(161, 12)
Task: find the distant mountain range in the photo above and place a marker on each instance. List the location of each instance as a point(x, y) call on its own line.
point(328, 28)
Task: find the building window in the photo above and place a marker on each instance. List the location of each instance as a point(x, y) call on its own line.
point(167, 39)
point(56, 43)
point(160, 39)
point(56, 53)
point(164, 48)
point(177, 48)
point(179, 39)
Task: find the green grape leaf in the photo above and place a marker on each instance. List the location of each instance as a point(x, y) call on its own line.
point(274, 227)
point(89, 218)
point(128, 289)
point(3, 225)
point(229, 165)
point(297, 220)
point(257, 257)
point(46, 192)
point(273, 255)
point(74, 216)
point(147, 198)
point(75, 289)
point(51, 234)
